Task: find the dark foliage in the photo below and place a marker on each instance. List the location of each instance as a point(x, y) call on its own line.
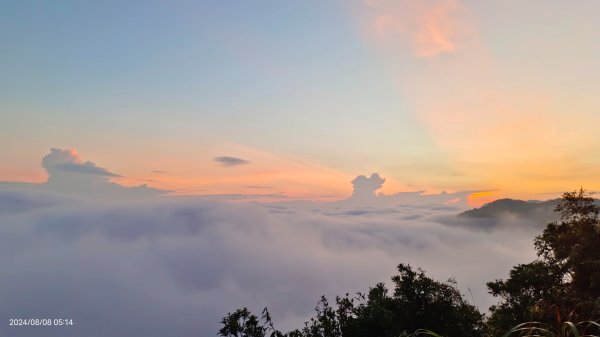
point(417, 302)
point(564, 283)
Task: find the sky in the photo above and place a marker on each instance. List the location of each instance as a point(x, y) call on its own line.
point(297, 98)
point(172, 161)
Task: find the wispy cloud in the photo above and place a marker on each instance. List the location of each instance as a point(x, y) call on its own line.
point(429, 28)
point(160, 172)
point(494, 128)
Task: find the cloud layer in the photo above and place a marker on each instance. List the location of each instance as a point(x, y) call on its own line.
point(175, 266)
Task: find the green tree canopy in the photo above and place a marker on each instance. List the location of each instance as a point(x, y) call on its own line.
point(564, 282)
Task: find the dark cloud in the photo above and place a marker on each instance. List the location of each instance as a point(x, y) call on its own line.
point(364, 188)
point(230, 161)
point(160, 172)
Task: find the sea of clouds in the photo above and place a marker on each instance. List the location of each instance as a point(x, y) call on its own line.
point(174, 266)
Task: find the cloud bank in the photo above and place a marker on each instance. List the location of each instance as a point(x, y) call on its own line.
point(69, 174)
point(58, 161)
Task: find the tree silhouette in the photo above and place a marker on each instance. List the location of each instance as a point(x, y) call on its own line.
point(564, 282)
point(417, 302)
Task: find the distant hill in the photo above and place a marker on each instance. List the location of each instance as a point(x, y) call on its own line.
point(542, 210)
point(507, 213)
